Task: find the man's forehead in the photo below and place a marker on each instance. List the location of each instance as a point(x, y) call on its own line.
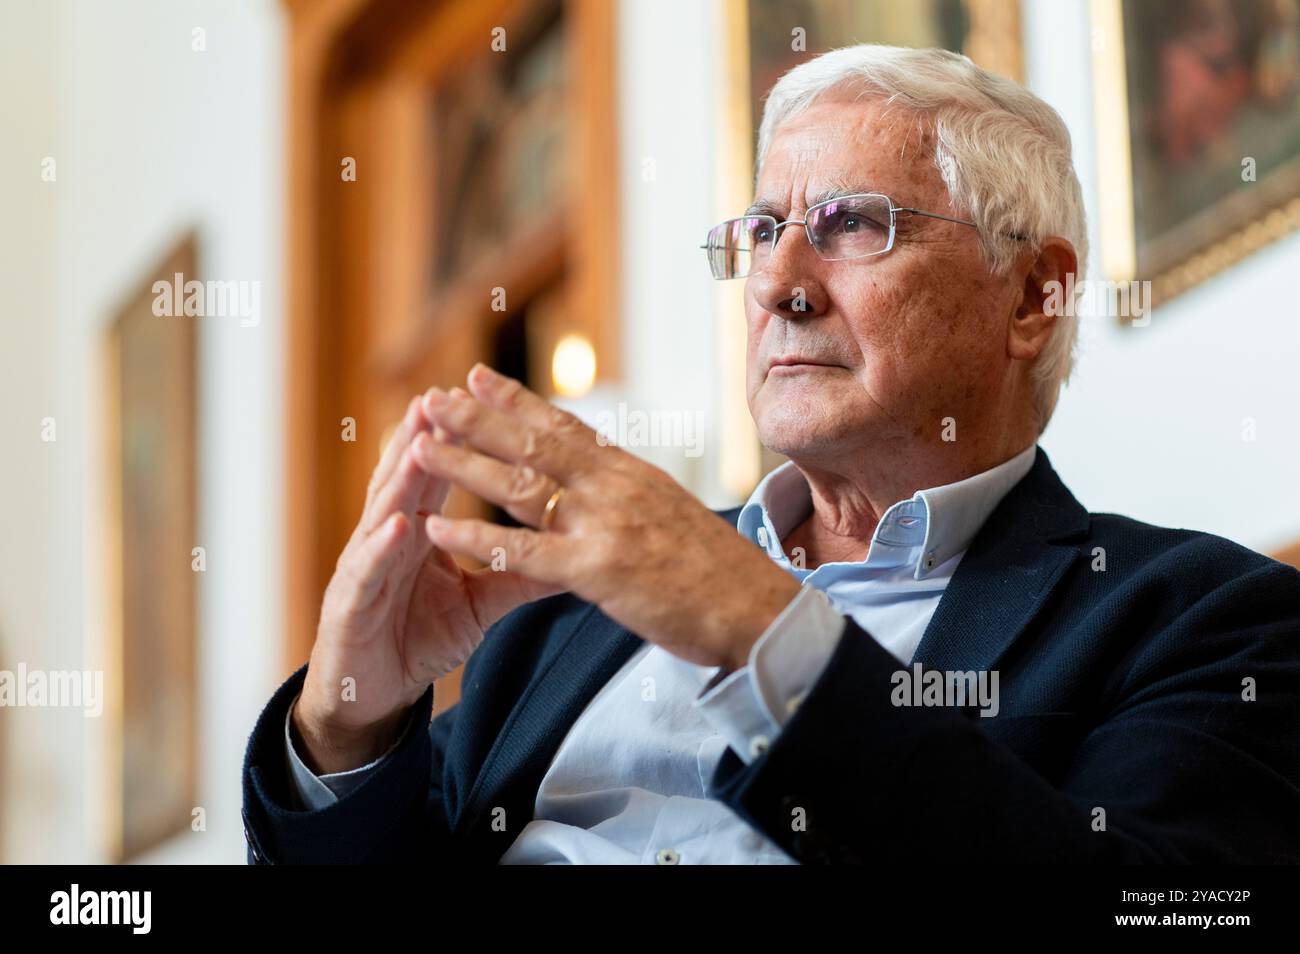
point(837, 148)
point(819, 188)
point(805, 149)
point(844, 116)
point(826, 177)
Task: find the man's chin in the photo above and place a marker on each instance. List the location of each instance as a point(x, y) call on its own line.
point(799, 421)
point(797, 436)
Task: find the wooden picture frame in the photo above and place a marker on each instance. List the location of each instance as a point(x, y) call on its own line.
point(151, 684)
point(1190, 100)
point(988, 31)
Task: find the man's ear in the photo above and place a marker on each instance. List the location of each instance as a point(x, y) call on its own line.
point(1049, 289)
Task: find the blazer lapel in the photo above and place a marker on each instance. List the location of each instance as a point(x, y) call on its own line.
point(593, 652)
point(1007, 574)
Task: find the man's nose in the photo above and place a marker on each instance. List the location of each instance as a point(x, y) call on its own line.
point(787, 284)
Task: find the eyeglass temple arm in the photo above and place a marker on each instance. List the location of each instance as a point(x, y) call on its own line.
point(1018, 236)
point(935, 215)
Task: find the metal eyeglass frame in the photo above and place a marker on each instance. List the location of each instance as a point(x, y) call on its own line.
point(894, 212)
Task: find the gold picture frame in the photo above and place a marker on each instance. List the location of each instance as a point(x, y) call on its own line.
point(1144, 235)
point(151, 470)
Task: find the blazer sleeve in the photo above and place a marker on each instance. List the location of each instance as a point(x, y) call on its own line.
point(1186, 767)
point(397, 814)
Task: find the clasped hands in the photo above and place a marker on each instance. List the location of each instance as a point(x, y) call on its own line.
point(623, 534)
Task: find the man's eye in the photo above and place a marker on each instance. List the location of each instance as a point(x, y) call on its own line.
point(851, 222)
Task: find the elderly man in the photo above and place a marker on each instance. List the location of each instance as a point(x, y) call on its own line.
point(647, 682)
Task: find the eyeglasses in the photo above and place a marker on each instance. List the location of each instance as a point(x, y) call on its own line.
point(851, 226)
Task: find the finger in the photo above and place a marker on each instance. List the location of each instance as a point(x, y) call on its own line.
point(494, 593)
point(437, 489)
point(402, 492)
point(413, 422)
point(431, 499)
point(393, 449)
point(511, 397)
point(523, 550)
point(369, 565)
point(442, 488)
point(521, 491)
point(561, 453)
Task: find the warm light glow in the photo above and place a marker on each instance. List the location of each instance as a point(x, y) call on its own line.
point(573, 366)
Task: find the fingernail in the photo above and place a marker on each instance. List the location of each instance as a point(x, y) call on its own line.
point(458, 394)
point(435, 396)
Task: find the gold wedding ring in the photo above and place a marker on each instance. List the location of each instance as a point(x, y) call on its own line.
point(548, 514)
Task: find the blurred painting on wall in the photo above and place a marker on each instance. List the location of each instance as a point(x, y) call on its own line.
point(153, 566)
point(499, 140)
point(785, 33)
point(1211, 97)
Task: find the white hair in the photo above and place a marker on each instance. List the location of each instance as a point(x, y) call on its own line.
point(1003, 153)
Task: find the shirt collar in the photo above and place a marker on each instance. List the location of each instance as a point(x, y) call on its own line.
point(922, 532)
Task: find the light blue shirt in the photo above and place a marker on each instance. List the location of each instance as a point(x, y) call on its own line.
point(628, 782)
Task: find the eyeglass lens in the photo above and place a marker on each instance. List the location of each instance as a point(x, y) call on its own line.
point(851, 227)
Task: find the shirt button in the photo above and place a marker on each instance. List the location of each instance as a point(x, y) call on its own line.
point(762, 536)
point(666, 856)
point(758, 745)
point(929, 560)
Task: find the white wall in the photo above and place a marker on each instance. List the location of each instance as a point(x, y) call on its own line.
point(39, 573)
point(151, 138)
point(668, 146)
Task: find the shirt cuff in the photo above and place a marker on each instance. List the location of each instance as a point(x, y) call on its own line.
point(750, 707)
point(321, 791)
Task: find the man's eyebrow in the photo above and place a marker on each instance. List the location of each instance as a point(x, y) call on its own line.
point(778, 211)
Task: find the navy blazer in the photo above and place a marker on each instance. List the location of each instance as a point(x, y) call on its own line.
point(1149, 712)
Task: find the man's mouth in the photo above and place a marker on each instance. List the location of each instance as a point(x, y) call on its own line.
point(798, 364)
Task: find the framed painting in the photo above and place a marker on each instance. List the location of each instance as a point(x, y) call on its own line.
point(1198, 133)
point(785, 33)
point(152, 566)
point(499, 135)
